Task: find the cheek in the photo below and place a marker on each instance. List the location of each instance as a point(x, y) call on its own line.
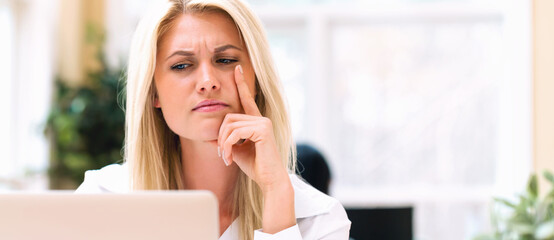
point(173, 111)
point(174, 102)
point(173, 89)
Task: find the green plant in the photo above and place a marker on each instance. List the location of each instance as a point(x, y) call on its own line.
point(531, 217)
point(85, 126)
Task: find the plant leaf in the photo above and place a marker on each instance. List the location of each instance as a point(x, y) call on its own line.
point(522, 228)
point(532, 187)
point(550, 194)
point(549, 176)
point(505, 202)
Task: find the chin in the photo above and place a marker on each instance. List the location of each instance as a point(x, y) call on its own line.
point(203, 135)
point(208, 130)
point(209, 136)
point(198, 129)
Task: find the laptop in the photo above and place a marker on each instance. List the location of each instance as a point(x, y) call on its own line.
point(144, 215)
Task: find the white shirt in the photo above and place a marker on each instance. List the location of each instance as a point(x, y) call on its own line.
point(318, 216)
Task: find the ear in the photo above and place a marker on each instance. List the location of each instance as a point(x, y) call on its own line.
point(157, 103)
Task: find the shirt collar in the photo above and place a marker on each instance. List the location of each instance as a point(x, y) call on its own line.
point(308, 201)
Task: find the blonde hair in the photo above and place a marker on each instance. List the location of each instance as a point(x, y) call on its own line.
point(152, 150)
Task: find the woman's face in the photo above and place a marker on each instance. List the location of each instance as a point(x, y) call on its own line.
point(194, 74)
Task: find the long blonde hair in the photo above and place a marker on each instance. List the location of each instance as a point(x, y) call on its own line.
point(152, 150)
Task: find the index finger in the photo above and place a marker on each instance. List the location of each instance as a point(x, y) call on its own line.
point(246, 99)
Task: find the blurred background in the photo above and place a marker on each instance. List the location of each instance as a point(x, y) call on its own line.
point(435, 106)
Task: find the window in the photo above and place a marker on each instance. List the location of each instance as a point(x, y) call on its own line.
point(6, 46)
point(29, 64)
point(421, 103)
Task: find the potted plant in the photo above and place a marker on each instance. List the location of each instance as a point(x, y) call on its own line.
point(530, 217)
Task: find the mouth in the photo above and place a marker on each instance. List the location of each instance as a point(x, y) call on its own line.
point(210, 106)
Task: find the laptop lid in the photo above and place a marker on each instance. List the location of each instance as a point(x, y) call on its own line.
point(145, 215)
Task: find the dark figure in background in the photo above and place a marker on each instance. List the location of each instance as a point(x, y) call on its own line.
point(313, 168)
point(367, 223)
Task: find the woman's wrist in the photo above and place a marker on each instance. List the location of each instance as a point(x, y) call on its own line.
point(279, 183)
point(278, 212)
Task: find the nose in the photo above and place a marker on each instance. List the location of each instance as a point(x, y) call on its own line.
point(208, 81)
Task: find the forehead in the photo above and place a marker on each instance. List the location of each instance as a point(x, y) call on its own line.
point(193, 30)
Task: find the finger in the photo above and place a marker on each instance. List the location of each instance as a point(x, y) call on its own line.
point(246, 99)
point(236, 135)
point(231, 118)
point(234, 117)
point(228, 129)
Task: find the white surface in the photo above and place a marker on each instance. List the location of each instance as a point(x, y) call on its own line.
point(160, 215)
point(32, 31)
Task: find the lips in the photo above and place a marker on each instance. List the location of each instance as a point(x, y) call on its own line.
point(210, 106)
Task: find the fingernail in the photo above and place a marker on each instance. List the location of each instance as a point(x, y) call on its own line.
point(225, 160)
point(240, 69)
point(218, 151)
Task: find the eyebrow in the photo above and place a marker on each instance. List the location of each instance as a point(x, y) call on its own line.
point(225, 47)
point(180, 52)
point(216, 50)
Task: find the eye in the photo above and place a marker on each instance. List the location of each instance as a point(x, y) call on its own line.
point(180, 67)
point(226, 61)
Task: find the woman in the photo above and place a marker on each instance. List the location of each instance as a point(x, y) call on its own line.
point(205, 111)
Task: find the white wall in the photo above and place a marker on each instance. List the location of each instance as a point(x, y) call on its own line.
point(33, 47)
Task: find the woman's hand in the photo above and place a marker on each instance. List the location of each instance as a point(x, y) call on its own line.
point(248, 140)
